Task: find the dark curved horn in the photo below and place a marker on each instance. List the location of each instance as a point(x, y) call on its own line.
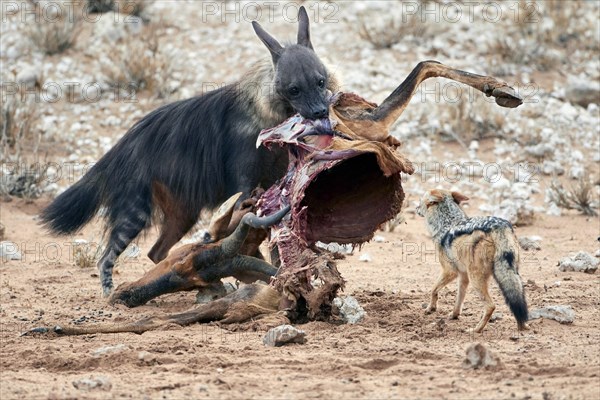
point(231, 244)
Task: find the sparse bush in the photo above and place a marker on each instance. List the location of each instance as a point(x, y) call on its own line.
point(100, 6)
point(136, 8)
point(473, 120)
point(141, 64)
point(16, 127)
point(391, 31)
point(56, 35)
point(578, 197)
point(85, 254)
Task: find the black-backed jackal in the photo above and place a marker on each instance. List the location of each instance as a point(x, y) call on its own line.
point(473, 249)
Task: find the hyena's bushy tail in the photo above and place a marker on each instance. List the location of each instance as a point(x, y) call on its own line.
point(506, 273)
point(74, 207)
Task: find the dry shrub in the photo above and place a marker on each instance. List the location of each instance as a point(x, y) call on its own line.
point(53, 34)
point(17, 117)
point(578, 197)
point(473, 119)
point(85, 254)
point(391, 31)
point(140, 64)
point(526, 53)
point(19, 178)
point(100, 6)
point(136, 8)
point(545, 32)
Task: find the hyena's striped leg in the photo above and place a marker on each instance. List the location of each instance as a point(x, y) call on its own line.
point(122, 233)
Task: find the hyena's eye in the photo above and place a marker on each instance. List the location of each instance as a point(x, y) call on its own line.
point(294, 91)
point(321, 83)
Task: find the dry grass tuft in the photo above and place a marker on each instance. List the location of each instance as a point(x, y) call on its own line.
point(579, 197)
point(85, 254)
point(141, 64)
point(53, 34)
point(138, 8)
point(18, 178)
point(100, 6)
point(391, 31)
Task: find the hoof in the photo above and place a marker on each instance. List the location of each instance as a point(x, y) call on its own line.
point(429, 310)
point(507, 97)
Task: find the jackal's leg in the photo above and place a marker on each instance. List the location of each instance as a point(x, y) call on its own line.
point(481, 286)
point(393, 106)
point(447, 275)
point(463, 282)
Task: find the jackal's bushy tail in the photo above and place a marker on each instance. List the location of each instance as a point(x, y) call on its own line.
point(507, 275)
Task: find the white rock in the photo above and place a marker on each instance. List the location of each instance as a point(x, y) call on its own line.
point(284, 334)
point(9, 251)
point(92, 383)
point(560, 313)
point(110, 350)
point(365, 257)
point(581, 262)
point(379, 239)
point(350, 310)
point(28, 77)
point(478, 356)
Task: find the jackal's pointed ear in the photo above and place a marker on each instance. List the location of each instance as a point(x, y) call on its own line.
point(304, 29)
point(459, 197)
point(272, 44)
point(433, 197)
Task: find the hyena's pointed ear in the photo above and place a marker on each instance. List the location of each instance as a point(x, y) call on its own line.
point(459, 197)
point(272, 44)
point(304, 29)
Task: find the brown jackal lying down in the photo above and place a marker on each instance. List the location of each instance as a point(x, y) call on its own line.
point(473, 249)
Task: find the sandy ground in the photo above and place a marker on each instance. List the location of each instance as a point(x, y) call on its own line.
point(395, 352)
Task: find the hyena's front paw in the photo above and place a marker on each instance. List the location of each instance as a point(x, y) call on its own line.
point(107, 290)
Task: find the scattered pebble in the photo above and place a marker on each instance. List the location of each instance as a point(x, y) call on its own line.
point(497, 316)
point(379, 239)
point(146, 357)
point(365, 257)
point(350, 310)
point(530, 242)
point(478, 356)
point(284, 334)
point(98, 382)
point(110, 350)
point(561, 313)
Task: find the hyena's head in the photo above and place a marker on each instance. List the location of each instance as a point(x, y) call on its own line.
point(436, 201)
point(301, 79)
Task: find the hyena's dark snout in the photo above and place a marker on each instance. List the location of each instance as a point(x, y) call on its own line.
point(320, 112)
